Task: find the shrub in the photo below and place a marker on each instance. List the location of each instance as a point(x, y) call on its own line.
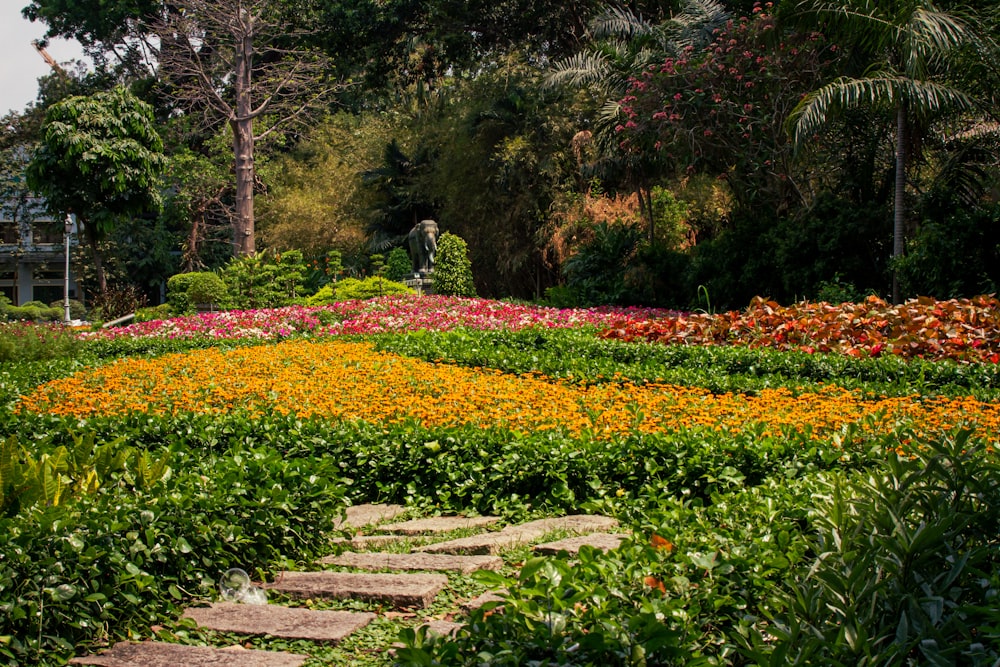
point(160, 312)
point(373, 286)
point(116, 302)
point(353, 288)
point(30, 342)
point(452, 268)
point(265, 281)
point(954, 256)
point(596, 273)
point(398, 266)
point(177, 297)
point(32, 311)
point(207, 288)
point(77, 311)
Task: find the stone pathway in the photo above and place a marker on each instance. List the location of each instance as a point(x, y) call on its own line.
point(409, 585)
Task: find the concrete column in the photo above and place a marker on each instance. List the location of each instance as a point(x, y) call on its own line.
point(25, 283)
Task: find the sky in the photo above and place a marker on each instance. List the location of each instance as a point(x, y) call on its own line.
point(20, 64)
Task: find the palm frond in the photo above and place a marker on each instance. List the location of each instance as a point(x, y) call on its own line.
point(579, 69)
point(696, 23)
point(620, 22)
point(923, 98)
point(930, 37)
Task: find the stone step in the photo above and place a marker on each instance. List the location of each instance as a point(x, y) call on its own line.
point(369, 541)
point(444, 628)
point(521, 534)
point(571, 545)
point(415, 561)
point(159, 654)
point(483, 598)
point(278, 621)
point(396, 590)
point(368, 514)
point(438, 524)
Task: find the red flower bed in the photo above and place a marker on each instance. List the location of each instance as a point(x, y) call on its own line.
point(960, 329)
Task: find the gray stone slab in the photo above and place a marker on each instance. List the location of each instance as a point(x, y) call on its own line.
point(571, 545)
point(444, 628)
point(438, 524)
point(278, 621)
point(368, 541)
point(416, 561)
point(397, 590)
point(159, 654)
point(359, 516)
point(477, 602)
point(525, 533)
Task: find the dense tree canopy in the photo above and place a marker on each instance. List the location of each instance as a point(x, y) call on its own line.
point(100, 159)
point(739, 147)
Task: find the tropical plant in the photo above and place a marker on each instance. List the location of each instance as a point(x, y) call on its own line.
point(265, 280)
point(912, 49)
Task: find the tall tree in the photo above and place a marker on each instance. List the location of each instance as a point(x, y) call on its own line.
point(99, 158)
point(909, 48)
point(237, 62)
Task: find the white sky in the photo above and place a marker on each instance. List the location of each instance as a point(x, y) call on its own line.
point(20, 64)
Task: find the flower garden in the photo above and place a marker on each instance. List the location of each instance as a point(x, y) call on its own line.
point(811, 484)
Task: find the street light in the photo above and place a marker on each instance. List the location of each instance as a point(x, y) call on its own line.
point(68, 230)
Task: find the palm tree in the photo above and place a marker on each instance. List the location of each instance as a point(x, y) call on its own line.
point(910, 48)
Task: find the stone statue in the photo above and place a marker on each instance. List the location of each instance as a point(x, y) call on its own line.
point(423, 245)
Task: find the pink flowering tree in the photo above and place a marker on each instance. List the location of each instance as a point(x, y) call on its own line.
point(721, 110)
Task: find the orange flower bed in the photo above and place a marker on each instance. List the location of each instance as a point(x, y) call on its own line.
point(344, 380)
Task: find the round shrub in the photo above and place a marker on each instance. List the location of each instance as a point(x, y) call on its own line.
point(177, 286)
point(398, 266)
point(77, 311)
point(207, 287)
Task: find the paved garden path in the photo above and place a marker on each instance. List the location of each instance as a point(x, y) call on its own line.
point(392, 580)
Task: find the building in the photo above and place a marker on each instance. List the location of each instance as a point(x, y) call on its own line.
point(33, 255)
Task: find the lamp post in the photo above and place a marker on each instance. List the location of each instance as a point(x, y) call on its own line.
point(68, 230)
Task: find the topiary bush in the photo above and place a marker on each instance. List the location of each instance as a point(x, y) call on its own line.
point(353, 288)
point(452, 268)
point(32, 311)
point(177, 287)
point(207, 288)
point(398, 266)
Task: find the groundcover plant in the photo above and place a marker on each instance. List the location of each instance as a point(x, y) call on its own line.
point(784, 505)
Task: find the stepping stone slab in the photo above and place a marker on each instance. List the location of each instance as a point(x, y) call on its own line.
point(515, 536)
point(358, 516)
point(397, 590)
point(368, 541)
point(438, 524)
point(444, 628)
point(278, 621)
point(571, 545)
point(159, 654)
point(416, 561)
point(476, 603)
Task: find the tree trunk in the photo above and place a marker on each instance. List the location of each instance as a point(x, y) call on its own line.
point(242, 125)
point(102, 281)
point(646, 210)
point(899, 200)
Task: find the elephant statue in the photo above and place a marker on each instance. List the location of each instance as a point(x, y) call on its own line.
point(423, 245)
